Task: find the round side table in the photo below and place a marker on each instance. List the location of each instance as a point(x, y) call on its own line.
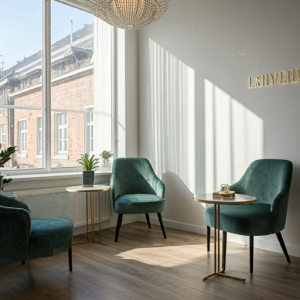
point(209, 199)
point(91, 190)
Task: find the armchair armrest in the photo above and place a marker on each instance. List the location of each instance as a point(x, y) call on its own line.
point(11, 202)
point(279, 211)
point(159, 187)
point(237, 187)
point(15, 231)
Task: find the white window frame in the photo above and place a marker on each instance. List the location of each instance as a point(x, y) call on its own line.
point(60, 137)
point(39, 131)
point(89, 127)
point(46, 98)
point(3, 134)
point(21, 132)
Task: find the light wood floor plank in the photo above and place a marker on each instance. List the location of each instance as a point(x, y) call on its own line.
point(143, 265)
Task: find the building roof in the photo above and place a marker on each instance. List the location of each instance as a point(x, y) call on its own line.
point(84, 31)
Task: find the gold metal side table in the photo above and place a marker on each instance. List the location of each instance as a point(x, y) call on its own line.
point(209, 199)
point(91, 190)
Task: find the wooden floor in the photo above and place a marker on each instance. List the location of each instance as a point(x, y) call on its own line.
point(142, 265)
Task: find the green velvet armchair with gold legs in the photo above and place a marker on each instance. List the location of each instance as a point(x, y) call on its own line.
point(23, 238)
point(135, 189)
point(269, 181)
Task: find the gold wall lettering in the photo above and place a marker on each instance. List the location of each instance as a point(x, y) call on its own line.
point(285, 77)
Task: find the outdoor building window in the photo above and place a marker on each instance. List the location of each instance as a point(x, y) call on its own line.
point(50, 101)
point(22, 136)
point(89, 127)
point(61, 139)
point(3, 137)
point(39, 135)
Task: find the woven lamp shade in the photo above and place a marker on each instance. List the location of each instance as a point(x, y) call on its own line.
point(128, 14)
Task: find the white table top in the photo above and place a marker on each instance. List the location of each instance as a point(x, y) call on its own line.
point(95, 188)
point(238, 200)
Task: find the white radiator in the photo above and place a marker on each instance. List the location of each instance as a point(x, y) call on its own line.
point(80, 208)
point(57, 203)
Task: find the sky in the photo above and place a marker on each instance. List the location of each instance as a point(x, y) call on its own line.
point(21, 27)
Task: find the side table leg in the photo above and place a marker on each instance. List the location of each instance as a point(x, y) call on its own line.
point(100, 220)
point(93, 221)
point(215, 239)
point(99, 195)
point(87, 216)
point(218, 238)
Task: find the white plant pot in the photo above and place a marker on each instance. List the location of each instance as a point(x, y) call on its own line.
point(105, 167)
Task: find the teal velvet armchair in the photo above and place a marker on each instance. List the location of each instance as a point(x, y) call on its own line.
point(269, 181)
point(135, 189)
point(23, 238)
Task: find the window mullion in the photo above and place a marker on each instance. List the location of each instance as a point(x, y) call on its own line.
point(46, 86)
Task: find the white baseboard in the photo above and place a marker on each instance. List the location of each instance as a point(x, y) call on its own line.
point(107, 224)
point(258, 241)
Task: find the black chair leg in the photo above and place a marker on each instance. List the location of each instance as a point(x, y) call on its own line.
point(208, 238)
point(120, 218)
point(70, 259)
point(23, 262)
point(251, 249)
point(282, 244)
point(148, 220)
point(161, 224)
point(224, 243)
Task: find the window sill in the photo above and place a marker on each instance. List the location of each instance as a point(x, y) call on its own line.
point(61, 157)
point(47, 176)
point(22, 155)
point(50, 180)
point(38, 156)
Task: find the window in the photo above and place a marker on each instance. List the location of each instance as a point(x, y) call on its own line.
point(51, 115)
point(61, 137)
point(22, 136)
point(39, 135)
point(3, 136)
point(89, 127)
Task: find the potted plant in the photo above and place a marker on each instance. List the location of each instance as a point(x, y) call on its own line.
point(5, 156)
point(105, 157)
point(89, 166)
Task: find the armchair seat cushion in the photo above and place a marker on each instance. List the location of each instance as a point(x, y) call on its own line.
point(48, 235)
point(250, 220)
point(139, 204)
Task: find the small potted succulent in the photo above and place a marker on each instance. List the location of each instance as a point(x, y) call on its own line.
point(5, 156)
point(89, 166)
point(105, 157)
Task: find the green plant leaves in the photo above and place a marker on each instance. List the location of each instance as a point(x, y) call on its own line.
point(106, 155)
point(88, 164)
point(5, 155)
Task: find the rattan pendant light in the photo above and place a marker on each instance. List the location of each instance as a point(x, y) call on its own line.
point(128, 14)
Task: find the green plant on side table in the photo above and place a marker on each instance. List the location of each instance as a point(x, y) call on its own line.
point(5, 156)
point(105, 157)
point(89, 166)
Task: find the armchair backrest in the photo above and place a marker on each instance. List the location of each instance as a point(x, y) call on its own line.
point(15, 230)
point(269, 181)
point(134, 175)
point(265, 179)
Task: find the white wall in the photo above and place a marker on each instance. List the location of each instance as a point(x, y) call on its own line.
point(127, 93)
point(199, 124)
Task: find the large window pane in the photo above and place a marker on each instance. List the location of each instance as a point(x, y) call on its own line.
point(81, 55)
point(21, 80)
point(81, 111)
point(21, 45)
point(19, 128)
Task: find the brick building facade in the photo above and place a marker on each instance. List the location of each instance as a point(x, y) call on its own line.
point(72, 101)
